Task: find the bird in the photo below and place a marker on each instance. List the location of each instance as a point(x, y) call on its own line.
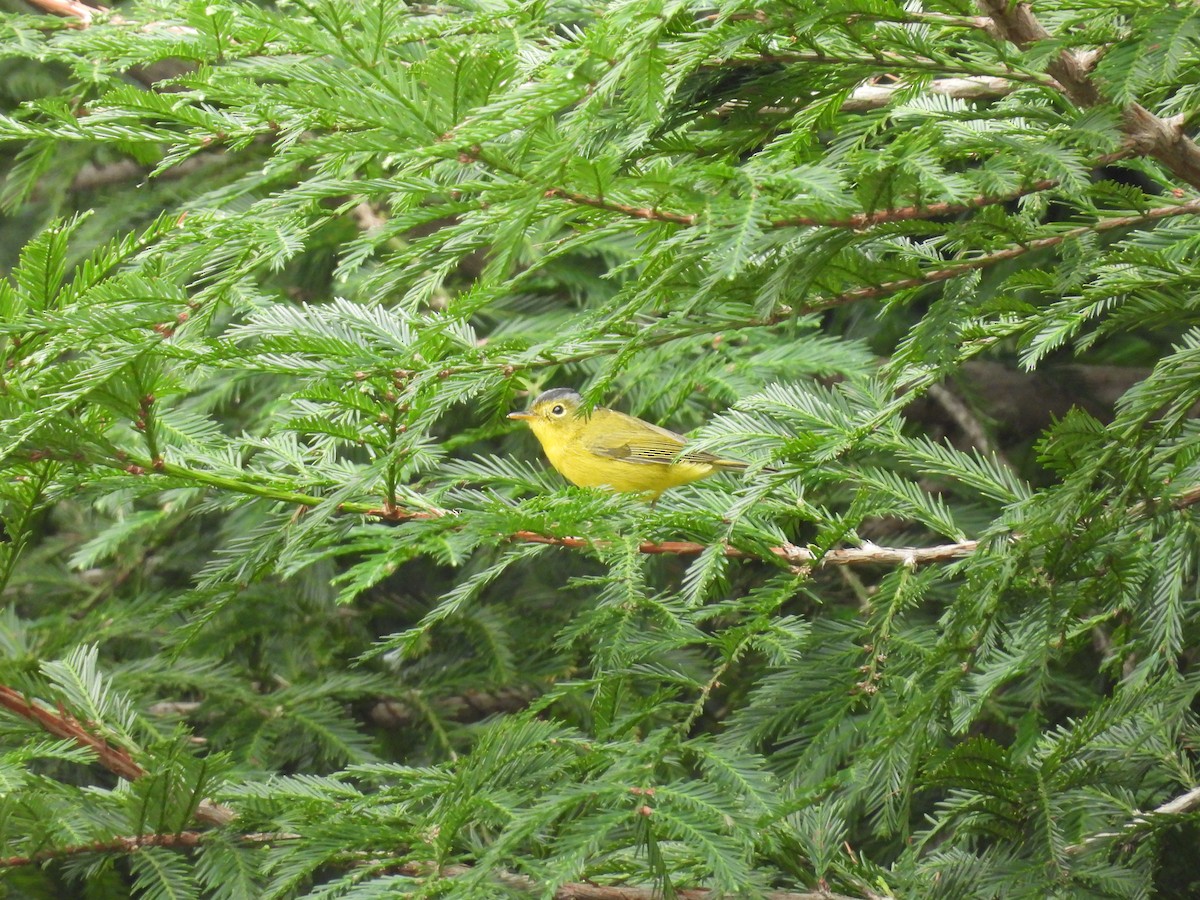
point(607, 448)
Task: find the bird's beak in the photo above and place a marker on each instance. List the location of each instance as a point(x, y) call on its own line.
point(520, 415)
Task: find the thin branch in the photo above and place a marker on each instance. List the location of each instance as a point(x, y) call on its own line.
point(980, 23)
point(73, 9)
point(966, 420)
point(857, 221)
point(637, 212)
point(391, 513)
point(972, 87)
point(883, 59)
point(589, 891)
point(542, 356)
point(801, 557)
point(1182, 804)
point(1192, 207)
point(916, 18)
point(861, 221)
point(63, 725)
point(187, 840)
point(469, 706)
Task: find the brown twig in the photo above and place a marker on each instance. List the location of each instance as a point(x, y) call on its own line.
point(187, 840)
point(63, 725)
point(883, 59)
point(469, 706)
point(542, 358)
point(970, 87)
point(582, 890)
point(965, 419)
point(637, 212)
point(860, 221)
point(867, 554)
point(1177, 806)
point(983, 261)
point(857, 221)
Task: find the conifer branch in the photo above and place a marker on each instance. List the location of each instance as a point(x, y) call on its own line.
point(801, 557)
point(868, 554)
point(867, 97)
point(189, 840)
point(468, 706)
point(1149, 135)
point(980, 23)
point(178, 840)
point(582, 890)
point(857, 221)
point(972, 87)
point(62, 724)
point(884, 59)
point(1184, 803)
point(864, 220)
point(637, 212)
point(651, 336)
point(391, 513)
point(986, 260)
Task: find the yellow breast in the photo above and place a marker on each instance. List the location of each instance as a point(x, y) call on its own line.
point(586, 469)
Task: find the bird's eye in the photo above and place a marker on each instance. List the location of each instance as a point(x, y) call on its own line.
point(558, 409)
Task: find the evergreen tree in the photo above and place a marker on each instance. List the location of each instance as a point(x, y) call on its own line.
point(291, 609)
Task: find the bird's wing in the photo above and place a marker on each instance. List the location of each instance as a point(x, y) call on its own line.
point(632, 440)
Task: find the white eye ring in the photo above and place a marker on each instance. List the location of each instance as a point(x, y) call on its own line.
point(558, 410)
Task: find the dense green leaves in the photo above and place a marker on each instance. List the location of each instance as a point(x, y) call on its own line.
point(275, 274)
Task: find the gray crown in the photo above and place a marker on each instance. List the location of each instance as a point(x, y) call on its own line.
point(556, 394)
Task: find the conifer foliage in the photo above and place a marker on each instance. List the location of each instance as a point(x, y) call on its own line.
point(290, 609)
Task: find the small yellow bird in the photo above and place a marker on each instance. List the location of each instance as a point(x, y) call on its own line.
point(606, 448)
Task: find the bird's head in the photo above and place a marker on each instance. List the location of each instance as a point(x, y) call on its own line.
point(553, 412)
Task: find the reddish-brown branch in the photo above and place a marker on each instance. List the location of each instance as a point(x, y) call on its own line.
point(804, 559)
point(882, 60)
point(868, 554)
point(857, 221)
point(63, 725)
point(860, 221)
point(990, 259)
point(637, 212)
point(1176, 806)
point(820, 304)
point(396, 513)
point(184, 840)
